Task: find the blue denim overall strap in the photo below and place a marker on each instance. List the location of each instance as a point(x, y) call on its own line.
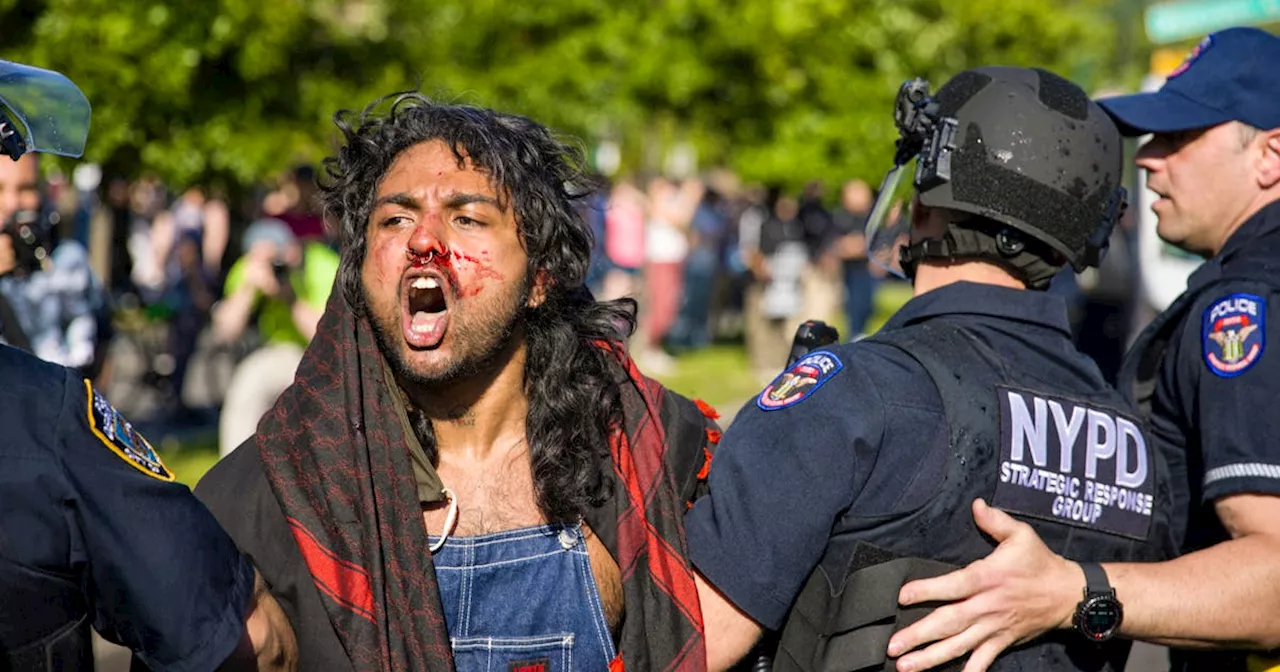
point(523, 601)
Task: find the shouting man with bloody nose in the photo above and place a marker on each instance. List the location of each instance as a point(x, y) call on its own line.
point(469, 471)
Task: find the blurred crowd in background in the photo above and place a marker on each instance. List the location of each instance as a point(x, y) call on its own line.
point(727, 140)
point(712, 259)
point(193, 310)
point(187, 308)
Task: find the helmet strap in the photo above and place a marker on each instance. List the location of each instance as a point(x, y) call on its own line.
point(975, 239)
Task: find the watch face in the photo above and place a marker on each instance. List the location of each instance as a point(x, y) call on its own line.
point(1099, 617)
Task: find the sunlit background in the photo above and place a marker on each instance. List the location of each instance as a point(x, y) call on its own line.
point(221, 107)
point(211, 115)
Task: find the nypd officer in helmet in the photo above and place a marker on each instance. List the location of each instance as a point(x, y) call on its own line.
point(93, 529)
point(856, 469)
point(1205, 371)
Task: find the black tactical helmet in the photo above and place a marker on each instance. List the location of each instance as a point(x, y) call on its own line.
point(1032, 151)
point(1025, 152)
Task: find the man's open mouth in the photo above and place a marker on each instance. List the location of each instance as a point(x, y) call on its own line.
point(426, 309)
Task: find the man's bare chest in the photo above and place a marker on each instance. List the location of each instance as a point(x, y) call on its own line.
point(503, 499)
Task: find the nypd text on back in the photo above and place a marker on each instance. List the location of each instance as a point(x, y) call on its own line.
point(1074, 463)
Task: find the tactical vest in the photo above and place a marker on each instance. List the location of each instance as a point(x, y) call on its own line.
point(44, 622)
point(1002, 422)
point(1141, 373)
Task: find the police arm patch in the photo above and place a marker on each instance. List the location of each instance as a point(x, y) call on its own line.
point(800, 381)
point(1234, 334)
point(118, 434)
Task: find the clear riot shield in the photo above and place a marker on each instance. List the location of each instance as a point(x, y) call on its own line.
point(42, 111)
point(888, 230)
point(914, 113)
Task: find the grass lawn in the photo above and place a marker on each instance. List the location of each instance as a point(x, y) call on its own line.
point(721, 375)
point(189, 461)
point(718, 375)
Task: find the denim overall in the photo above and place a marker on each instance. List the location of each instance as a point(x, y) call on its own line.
point(522, 601)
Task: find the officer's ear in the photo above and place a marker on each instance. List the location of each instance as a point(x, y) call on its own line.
point(1269, 161)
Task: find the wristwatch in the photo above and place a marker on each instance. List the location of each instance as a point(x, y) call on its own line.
point(1099, 614)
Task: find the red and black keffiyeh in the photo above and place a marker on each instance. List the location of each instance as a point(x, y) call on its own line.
point(334, 453)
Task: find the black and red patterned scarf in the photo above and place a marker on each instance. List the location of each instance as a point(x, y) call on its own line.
point(334, 453)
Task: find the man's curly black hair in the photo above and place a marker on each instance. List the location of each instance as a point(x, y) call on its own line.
point(570, 381)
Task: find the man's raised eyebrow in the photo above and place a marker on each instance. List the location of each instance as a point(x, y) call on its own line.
point(401, 199)
point(458, 200)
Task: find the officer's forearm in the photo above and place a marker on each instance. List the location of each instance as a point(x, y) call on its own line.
point(1225, 596)
point(268, 642)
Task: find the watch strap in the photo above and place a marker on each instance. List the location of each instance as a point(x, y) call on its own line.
point(1095, 578)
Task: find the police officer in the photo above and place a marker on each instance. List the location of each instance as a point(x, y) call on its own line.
point(1203, 377)
point(855, 469)
point(93, 528)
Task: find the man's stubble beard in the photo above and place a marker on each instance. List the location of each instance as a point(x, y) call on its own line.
point(481, 345)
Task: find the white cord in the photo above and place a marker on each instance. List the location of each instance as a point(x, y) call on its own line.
point(449, 520)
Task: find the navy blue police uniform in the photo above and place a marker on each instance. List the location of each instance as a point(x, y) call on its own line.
point(1201, 372)
point(867, 464)
point(94, 531)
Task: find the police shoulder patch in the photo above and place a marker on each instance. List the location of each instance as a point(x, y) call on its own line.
point(800, 381)
point(118, 434)
point(1234, 334)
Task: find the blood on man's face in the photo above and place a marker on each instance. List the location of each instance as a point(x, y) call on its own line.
point(445, 274)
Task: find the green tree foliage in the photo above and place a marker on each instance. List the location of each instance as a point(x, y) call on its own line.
point(779, 90)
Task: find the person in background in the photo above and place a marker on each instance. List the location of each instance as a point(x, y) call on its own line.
point(146, 205)
point(624, 240)
point(190, 298)
point(121, 264)
point(286, 284)
point(707, 232)
point(850, 248)
point(54, 305)
point(666, 247)
point(192, 213)
point(777, 256)
point(303, 212)
point(822, 279)
point(594, 210)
